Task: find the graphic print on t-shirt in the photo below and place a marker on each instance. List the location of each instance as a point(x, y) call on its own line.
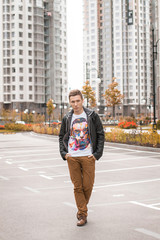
point(80, 139)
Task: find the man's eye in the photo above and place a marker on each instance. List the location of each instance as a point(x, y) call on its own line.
point(77, 131)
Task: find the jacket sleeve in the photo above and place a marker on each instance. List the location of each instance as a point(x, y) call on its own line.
point(62, 133)
point(99, 138)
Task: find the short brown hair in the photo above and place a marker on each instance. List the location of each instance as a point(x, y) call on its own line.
point(75, 92)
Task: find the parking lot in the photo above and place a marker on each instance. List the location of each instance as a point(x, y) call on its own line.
point(36, 194)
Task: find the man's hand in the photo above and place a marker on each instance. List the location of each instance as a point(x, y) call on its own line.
point(67, 155)
point(92, 156)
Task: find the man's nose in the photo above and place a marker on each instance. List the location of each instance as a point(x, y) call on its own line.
point(81, 134)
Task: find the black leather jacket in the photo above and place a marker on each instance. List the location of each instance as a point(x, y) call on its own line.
point(96, 133)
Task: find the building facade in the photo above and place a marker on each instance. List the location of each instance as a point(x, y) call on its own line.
point(156, 25)
point(124, 46)
point(33, 54)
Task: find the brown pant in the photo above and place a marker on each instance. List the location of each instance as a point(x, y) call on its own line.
point(82, 173)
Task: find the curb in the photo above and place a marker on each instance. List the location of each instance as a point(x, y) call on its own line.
point(134, 147)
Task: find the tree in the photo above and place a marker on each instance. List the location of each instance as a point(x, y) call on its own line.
point(113, 96)
point(89, 94)
point(50, 108)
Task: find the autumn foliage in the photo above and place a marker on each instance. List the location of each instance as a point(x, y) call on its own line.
point(113, 96)
point(89, 94)
point(127, 125)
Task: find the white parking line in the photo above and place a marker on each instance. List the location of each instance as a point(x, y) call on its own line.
point(31, 189)
point(22, 168)
point(126, 169)
point(128, 183)
point(39, 160)
point(155, 204)
point(47, 177)
point(131, 150)
point(69, 204)
point(145, 205)
point(32, 150)
point(8, 162)
point(52, 137)
point(4, 178)
point(60, 175)
point(148, 233)
point(124, 159)
point(51, 166)
point(74, 206)
point(29, 155)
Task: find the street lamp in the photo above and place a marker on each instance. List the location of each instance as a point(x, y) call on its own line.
point(154, 46)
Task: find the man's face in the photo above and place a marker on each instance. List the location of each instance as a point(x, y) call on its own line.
point(76, 103)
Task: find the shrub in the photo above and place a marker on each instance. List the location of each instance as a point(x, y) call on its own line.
point(127, 125)
point(18, 127)
point(158, 124)
point(45, 129)
point(149, 138)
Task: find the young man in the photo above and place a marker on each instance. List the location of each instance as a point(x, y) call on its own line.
point(81, 142)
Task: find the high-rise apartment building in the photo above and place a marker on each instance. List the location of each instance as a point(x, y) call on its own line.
point(33, 54)
point(156, 26)
point(124, 49)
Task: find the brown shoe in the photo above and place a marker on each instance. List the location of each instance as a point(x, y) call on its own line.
point(82, 221)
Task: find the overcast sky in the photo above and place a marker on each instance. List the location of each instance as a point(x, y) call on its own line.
point(75, 43)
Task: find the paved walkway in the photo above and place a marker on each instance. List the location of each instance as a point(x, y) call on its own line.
point(37, 200)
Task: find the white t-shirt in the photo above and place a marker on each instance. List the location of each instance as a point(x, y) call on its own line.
point(79, 143)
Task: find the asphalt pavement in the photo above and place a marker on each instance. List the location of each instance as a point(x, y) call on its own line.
point(36, 194)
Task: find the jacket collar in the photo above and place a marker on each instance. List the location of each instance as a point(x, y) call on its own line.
point(87, 111)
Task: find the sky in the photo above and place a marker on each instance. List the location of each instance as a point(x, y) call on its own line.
point(75, 43)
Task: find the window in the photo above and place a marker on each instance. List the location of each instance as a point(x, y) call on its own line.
point(30, 96)
point(21, 96)
point(20, 43)
point(20, 52)
point(30, 88)
point(30, 79)
point(13, 96)
point(21, 87)
point(20, 16)
point(20, 25)
point(29, 26)
point(21, 79)
point(29, 18)
point(20, 34)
